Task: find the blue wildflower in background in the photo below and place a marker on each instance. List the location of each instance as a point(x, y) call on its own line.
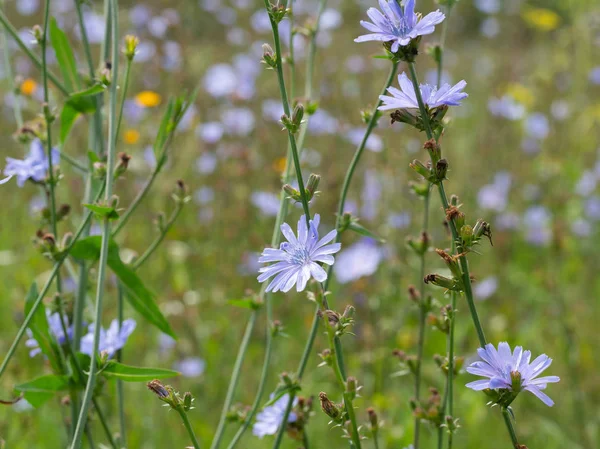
point(405, 97)
point(397, 24)
point(297, 258)
point(111, 340)
point(269, 420)
point(56, 329)
point(511, 371)
point(35, 166)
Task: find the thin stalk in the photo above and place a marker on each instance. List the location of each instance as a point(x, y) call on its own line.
point(48, 117)
point(235, 377)
point(442, 44)
point(74, 162)
point(422, 319)
point(112, 118)
point(9, 74)
point(305, 439)
point(124, 94)
point(120, 392)
point(12, 31)
point(136, 202)
point(509, 426)
point(44, 290)
point(188, 426)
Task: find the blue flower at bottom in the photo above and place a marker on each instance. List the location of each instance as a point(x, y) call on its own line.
point(511, 371)
point(35, 166)
point(269, 420)
point(297, 258)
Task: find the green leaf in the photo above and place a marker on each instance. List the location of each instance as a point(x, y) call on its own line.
point(245, 303)
point(136, 374)
point(39, 327)
point(103, 211)
point(82, 102)
point(42, 389)
point(68, 116)
point(364, 231)
point(136, 293)
point(64, 56)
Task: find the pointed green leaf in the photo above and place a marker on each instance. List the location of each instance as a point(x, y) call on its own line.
point(136, 293)
point(68, 116)
point(39, 328)
point(64, 56)
point(136, 374)
point(103, 211)
point(354, 226)
point(42, 389)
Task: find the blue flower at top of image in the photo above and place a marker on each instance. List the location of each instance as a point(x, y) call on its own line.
point(398, 24)
point(297, 260)
point(56, 329)
point(270, 418)
point(511, 370)
point(111, 340)
point(35, 166)
point(406, 98)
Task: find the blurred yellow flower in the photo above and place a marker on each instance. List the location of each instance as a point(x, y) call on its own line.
point(279, 164)
point(148, 99)
point(542, 19)
point(131, 136)
point(520, 93)
point(28, 86)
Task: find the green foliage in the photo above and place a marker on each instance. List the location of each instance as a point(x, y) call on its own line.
point(135, 374)
point(64, 56)
point(40, 390)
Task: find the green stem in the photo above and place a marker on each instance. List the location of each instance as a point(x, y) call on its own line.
point(112, 118)
point(352, 416)
point(44, 290)
point(136, 202)
point(509, 426)
point(74, 162)
point(12, 31)
point(120, 392)
point(10, 76)
point(188, 426)
point(305, 439)
point(235, 377)
point(442, 44)
point(124, 94)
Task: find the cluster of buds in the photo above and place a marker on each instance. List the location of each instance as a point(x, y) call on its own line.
point(170, 397)
point(443, 320)
point(293, 123)
point(451, 424)
point(408, 363)
point(433, 173)
point(49, 247)
point(374, 423)
point(426, 303)
point(130, 48)
point(303, 411)
point(310, 190)
point(413, 118)
point(38, 34)
point(454, 283)
point(430, 410)
point(443, 363)
point(471, 235)
point(338, 323)
point(32, 129)
point(269, 56)
point(277, 12)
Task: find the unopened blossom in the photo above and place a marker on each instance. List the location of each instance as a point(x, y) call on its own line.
point(398, 24)
point(269, 420)
point(111, 340)
point(34, 166)
point(405, 97)
point(511, 371)
point(297, 260)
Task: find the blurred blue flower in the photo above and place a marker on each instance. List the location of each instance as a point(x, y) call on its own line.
point(488, 6)
point(587, 183)
point(297, 258)
point(238, 121)
point(399, 220)
point(210, 132)
point(405, 97)
point(27, 7)
point(190, 366)
point(139, 15)
point(267, 202)
point(371, 195)
point(206, 163)
point(56, 329)
point(398, 24)
point(35, 166)
point(374, 142)
point(537, 126)
point(204, 195)
point(490, 27)
point(322, 122)
point(581, 227)
point(158, 26)
point(592, 208)
point(511, 371)
point(111, 340)
point(485, 288)
point(594, 75)
point(358, 260)
point(560, 109)
point(270, 418)
point(537, 225)
point(506, 107)
point(220, 80)
point(495, 196)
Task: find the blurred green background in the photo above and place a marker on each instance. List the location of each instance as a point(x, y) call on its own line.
point(523, 154)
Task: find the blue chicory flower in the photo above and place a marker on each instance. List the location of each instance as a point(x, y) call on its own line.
point(398, 24)
point(358, 260)
point(405, 97)
point(512, 371)
point(34, 166)
point(297, 258)
point(111, 340)
point(56, 329)
point(190, 366)
point(269, 420)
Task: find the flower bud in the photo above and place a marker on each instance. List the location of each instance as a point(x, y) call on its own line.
point(63, 211)
point(454, 214)
point(442, 281)
point(105, 74)
point(38, 34)
point(158, 388)
point(373, 420)
point(413, 294)
point(188, 400)
point(330, 409)
point(482, 229)
point(99, 170)
point(297, 115)
point(122, 164)
point(312, 185)
point(131, 43)
point(421, 169)
point(352, 386)
point(441, 168)
point(434, 150)
point(269, 56)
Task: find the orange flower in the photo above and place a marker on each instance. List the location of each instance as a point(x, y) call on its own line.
point(148, 99)
point(28, 87)
point(131, 136)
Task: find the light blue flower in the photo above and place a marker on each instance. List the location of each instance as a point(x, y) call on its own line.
point(296, 260)
point(190, 366)
point(397, 24)
point(56, 329)
point(405, 97)
point(34, 166)
point(512, 371)
point(358, 260)
point(111, 340)
point(269, 420)
point(267, 202)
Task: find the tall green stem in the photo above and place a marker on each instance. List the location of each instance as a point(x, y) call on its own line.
point(112, 119)
point(188, 426)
